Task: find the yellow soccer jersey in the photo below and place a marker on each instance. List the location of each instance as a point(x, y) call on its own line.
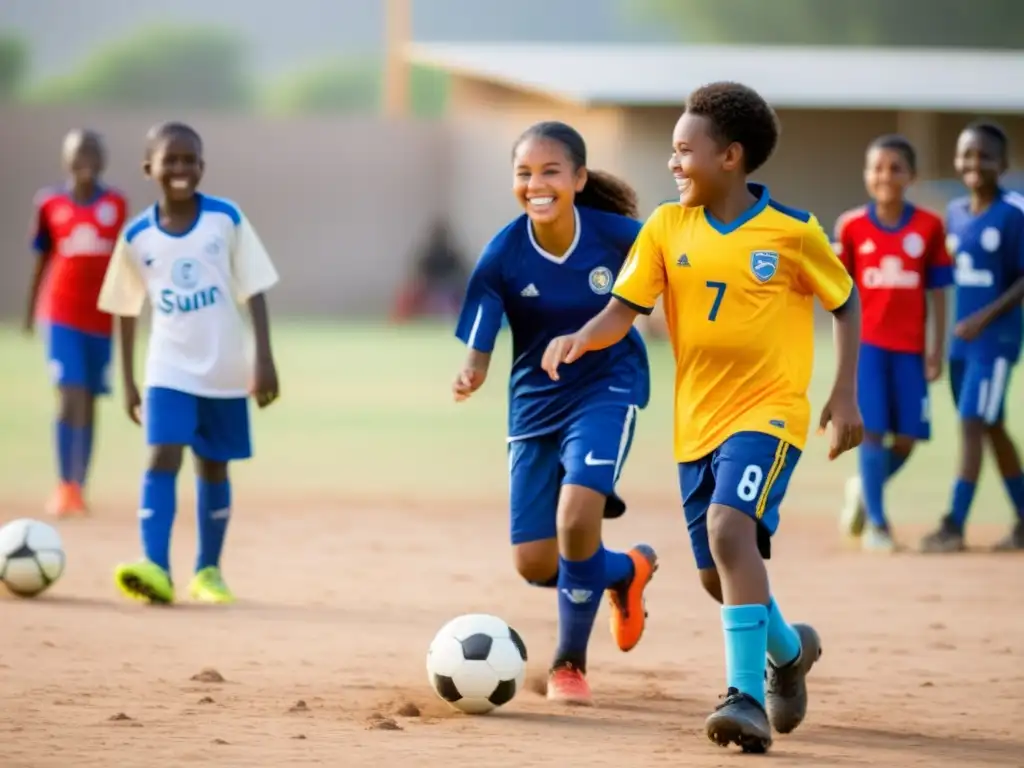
point(739, 305)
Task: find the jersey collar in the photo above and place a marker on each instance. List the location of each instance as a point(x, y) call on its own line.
point(550, 256)
point(760, 192)
point(905, 217)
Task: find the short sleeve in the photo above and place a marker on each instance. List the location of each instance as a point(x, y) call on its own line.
point(642, 278)
point(124, 290)
point(821, 271)
point(39, 231)
point(483, 308)
point(253, 271)
point(938, 266)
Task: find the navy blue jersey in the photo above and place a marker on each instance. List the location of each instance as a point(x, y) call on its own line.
point(989, 253)
point(544, 296)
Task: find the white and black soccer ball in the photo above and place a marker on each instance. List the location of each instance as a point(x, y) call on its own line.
point(31, 557)
point(477, 663)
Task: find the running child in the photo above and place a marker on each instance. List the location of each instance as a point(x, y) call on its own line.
point(897, 256)
point(547, 272)
point(74, 232)
point(194, 256)
point(986, 234)
point(738, 273)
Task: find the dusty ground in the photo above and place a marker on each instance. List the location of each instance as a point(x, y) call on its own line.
point(923, 665)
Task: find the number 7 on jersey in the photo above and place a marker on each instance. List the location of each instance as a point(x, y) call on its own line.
point(719, 289)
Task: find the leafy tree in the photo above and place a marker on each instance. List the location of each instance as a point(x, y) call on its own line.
point(166, 66)
point(13, 65)
point(945, 23)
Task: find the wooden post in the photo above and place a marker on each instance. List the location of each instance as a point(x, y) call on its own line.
point(397, 35)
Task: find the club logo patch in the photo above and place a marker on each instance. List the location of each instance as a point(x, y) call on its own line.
point(600, 280)
point(185, 274)
point(990, 239)
point(106, 214)
point(764, 264)
point(913, 245)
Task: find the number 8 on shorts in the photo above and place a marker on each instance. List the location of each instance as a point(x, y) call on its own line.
point(752, 471)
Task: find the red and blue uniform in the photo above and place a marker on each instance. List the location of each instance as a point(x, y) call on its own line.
point(894, 268)
point(77, 239)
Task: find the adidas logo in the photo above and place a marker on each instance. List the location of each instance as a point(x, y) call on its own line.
point(867, 247)
point(683, 261)
point(530, 291)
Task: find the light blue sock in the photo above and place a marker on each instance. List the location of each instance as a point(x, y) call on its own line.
point(618, 566)
point(156, 516)
point(213, 512)
point(874, 469)
point(1015, 488)
point(746, 648)
point(963, 496)
point(783, 641)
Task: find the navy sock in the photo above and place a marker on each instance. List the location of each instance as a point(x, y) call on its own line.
point(896, 462)
point(874, 470)
point(963, 495)
point(82, 453)
point(746, 648)
point(783, 641)
point(1015, 488)
point(65, 451)
point(156, 516)
point(618, 566)
point(213, 511)
point(580, 586)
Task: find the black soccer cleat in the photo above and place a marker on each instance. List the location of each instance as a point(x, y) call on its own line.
point(742, 721)
point(787, 686)
point(614, 507)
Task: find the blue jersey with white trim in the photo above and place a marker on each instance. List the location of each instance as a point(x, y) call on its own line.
point(544, 296)
point(989, 253)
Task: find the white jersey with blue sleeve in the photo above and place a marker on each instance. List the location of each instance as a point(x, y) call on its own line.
point(195, 281)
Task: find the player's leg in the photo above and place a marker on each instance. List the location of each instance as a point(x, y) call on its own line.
point(170, 419)
point(98, 352)
point(1007, 459)
point(874, 374)
point(535, 475)
point(752, 471)
point(970, 382)
point(68, 361)
point(222, 435)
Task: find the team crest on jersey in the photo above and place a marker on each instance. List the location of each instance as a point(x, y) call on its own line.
point(600, 280)
point(185, 274)
point(215, 246)
point(764, 265)
point(106, 213)
point(990, 239)
point(913, 245)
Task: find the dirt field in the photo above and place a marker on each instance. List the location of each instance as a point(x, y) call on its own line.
point(322, 659)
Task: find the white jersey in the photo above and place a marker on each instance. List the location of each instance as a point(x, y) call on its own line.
point(199, 341)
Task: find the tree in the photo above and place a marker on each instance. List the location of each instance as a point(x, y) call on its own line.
point(166, 66)
point(944, 23)
point(13, 65)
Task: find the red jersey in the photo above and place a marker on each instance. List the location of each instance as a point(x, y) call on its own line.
point(78, 239)
point(894, 268)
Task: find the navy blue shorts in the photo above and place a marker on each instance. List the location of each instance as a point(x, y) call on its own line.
point(589, 451)
point(79, 359)
point(979, 388)
point(892, 392)
point(214, 428)
point(750, 472)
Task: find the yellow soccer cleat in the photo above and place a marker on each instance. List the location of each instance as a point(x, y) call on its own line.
point(145, 581)
point(208, 587)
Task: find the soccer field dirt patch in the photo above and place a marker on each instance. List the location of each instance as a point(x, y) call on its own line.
point(322, 660)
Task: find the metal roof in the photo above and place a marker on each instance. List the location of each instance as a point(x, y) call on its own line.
point(957, 80)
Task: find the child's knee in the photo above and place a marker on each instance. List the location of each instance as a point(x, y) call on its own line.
point(902, 445)
point(732, 535)
point(537, 561)
point(166, 458)
point(711, 582)
point(211, 471)
point(580, 512)
point(75, 405)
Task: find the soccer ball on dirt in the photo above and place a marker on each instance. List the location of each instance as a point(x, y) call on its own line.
point(31, 557)
point(476, 663)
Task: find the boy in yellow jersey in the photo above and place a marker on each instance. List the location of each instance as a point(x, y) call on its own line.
point(738, 273)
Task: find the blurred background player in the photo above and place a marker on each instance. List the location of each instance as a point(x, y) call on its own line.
point(986, 234)
point(74, 233)
point(548, 272)
point(896, 253)
point(196, 257)
point(741, 320)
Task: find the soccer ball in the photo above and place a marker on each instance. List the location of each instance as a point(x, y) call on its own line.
point(31, 556)
point(476, 663)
